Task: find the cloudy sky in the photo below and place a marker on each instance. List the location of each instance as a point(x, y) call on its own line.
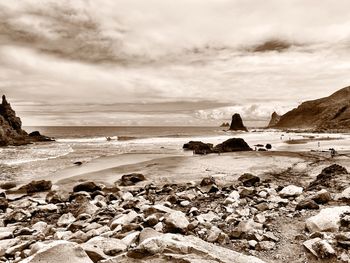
point(165, 62)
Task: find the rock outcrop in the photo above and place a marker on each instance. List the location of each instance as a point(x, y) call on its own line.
point(329, 113)
point(225, 124)
point(230, 145)
point(11, 132)
point(275, 118)
point(237, 123)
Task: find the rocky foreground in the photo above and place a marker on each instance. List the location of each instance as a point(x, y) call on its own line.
point(261, 220)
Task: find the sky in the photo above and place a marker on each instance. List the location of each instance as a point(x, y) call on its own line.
point(165, 62)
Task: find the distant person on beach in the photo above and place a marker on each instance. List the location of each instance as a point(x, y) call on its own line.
point(319, 144)
point(333, 152)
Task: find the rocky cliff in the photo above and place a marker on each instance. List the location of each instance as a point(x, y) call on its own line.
point(329, 113)
point(11, 132)
point(237, 123)
point(275, 118)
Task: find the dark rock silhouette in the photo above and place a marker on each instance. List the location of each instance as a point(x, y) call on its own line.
point(198, 147)
point(329, 113)
point(225, 124)
point(237, 123)
point(11, 132)
point(230, 145)
point(275, 118)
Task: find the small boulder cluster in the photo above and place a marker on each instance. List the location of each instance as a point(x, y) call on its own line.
point(230, 145)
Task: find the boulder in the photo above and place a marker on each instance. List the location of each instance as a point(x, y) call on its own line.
point(249, 179)
point(176, 222)
point(59, 251)
point(4, 204)
point(66, 219)
point(232, 145)
point(109, 246)
point(237, 123)
point(331, 176)
point(178, 248)
point(131, 179)
point(328, 219)
point(198, 147)
point(319, 248)
point(87, 187)
point(322, 197)
point(37, 186)
point(291, 191)
point(307, 204)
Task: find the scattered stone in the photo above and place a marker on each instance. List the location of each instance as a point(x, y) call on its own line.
point(66, 219)
point(176, 222)
point(131, 179)
point(322, 197)
point(249, 179)
point(291, 191)
point(328, 219)
point(37, 186)
point(87, 187)
point(307, 204)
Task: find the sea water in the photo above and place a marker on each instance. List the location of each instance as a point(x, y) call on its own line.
point(84, 144)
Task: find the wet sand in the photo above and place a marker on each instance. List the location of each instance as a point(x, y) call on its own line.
point(163, 169)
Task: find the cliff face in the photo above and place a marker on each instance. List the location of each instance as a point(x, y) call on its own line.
point(329, 113)
point(237, 123)
point(275, 118)
point(11, 132)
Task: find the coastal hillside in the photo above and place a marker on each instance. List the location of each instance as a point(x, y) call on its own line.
point(329, 113)
point(11, 132)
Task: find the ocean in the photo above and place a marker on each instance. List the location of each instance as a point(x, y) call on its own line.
point(84, 144)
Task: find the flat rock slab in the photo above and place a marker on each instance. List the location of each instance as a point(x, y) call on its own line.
point(58, 252)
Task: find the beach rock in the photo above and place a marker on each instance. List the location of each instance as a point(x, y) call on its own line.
point(307, 204)
point(265, 246)
point(322, 197)
point(328, 219)
point(59, 251)
point(176, 222)
point(185, 249)
point(4, 204)
point(249, 179)
point(291, 191)
point(332, 176)
point(131, 179)
point(8, 185)
point(66, 219)
point(36, 136)
point(198, 147)
point(245, 228)
point(345, 195)
point(87, 187)
point(37, 186)
point(232, 145)
point(123, 219)
point(109, 246)
point(7, 243)
point(320, 248)
point(237, 123)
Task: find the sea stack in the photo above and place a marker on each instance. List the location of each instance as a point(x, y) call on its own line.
point(11, 132)
point(275, 118)
point(237, 123)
